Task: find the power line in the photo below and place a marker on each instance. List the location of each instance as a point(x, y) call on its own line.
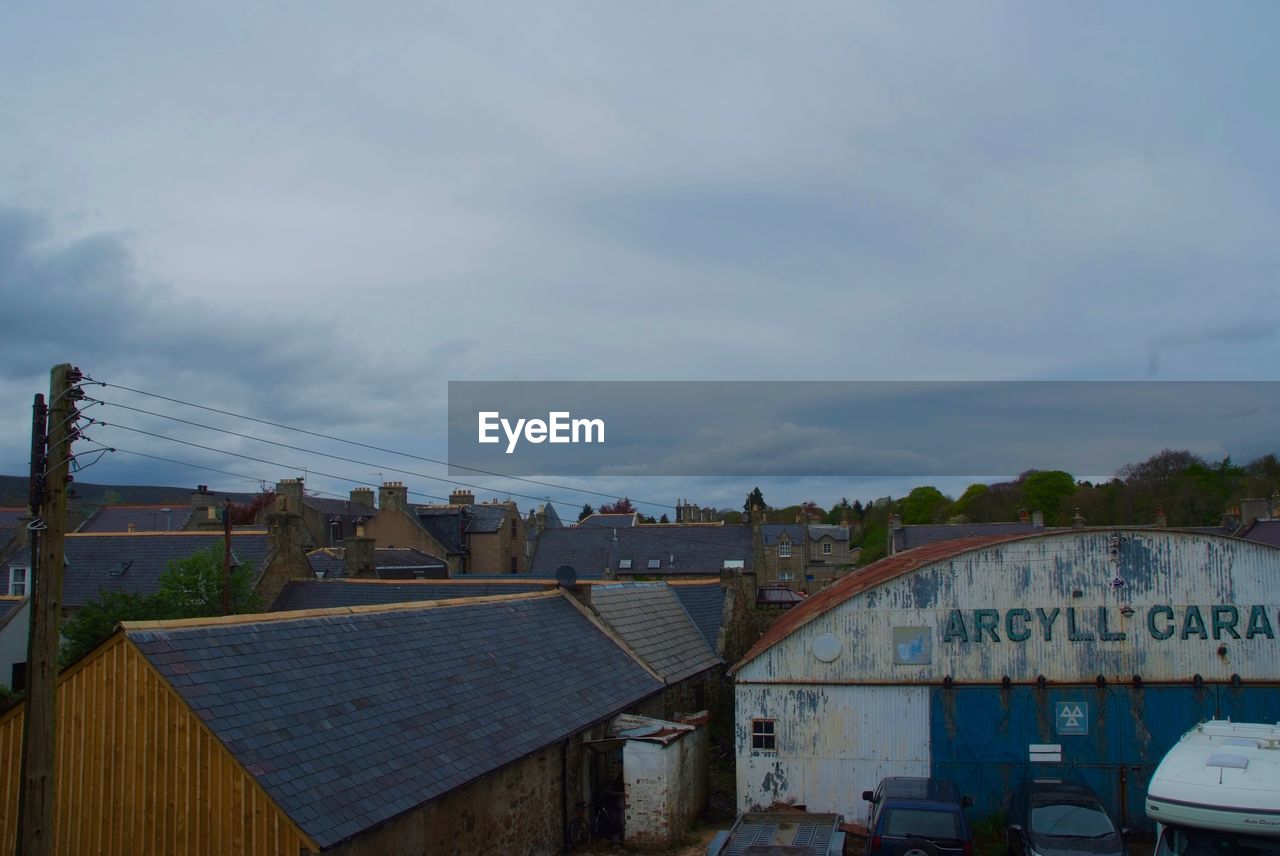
point(329, 455)
point(323, 436)
point(676, 535)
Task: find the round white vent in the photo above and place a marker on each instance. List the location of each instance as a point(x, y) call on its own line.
point(826, 647)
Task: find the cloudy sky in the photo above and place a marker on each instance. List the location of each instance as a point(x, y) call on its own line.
point(319, 214)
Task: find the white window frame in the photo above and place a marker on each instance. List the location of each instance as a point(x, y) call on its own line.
point(25, 582)
point(826, 548)
point(786, 577)
point(784, 549)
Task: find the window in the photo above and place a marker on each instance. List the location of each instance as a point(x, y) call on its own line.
point(826, 548)
point(655, 564)
point(786, 578)
point(763, 738)
point(624, 564)
point(18, 580)
point(784, 549)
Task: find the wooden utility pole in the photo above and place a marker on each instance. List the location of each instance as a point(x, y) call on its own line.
point(50, 485)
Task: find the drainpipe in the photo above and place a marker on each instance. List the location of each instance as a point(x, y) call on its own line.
point(564, 796)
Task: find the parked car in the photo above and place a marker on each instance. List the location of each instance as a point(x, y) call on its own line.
point(917, 817)
point(1052, 817)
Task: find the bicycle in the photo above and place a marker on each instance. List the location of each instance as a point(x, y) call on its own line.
point(584, 827)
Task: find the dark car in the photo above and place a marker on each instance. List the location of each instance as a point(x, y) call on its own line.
point(1050, 817)
point(917, 817)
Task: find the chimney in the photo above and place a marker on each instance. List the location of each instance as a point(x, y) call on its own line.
point(289, 496)
point(358, 557)
point(201, 499)
point(393, 496)
point(1161, 519)
point(1253, 509)
point(286, 559)
point(1037, 519)
point(362, 496)
point(133, 528)
point(1023, 516)
point(462, 497)
point(1077, 522)
point(895, 521)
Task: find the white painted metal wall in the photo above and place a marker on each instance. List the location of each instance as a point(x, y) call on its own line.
point(1069, 570)
point(833, 742)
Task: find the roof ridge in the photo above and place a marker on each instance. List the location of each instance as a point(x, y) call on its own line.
point(302, 614)
point(166, 534)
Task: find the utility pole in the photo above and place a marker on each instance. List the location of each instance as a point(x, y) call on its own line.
point(50, 484)
point(226, 557)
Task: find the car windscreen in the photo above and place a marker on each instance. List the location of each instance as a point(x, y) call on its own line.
point(926, 823)
point(1067, 819)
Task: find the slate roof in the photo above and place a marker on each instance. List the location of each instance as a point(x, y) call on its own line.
point(9, 525)
point(350, 719)
point(769, 532)
point(137, 560)
point(9, 605)
point(143, 518)
point(344, 508)
point(918, 535)
point(390, 563)
point(589, 550)
point(705, 604)
point(329, 593)
point(610, 520)
point(650, 618)
point(1264, 532)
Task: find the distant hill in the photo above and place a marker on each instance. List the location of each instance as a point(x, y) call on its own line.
point(86, 497)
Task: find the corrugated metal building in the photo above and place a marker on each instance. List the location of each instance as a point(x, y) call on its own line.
point(1079, 652)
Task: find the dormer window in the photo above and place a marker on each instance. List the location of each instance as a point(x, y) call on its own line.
point(624, 564)
point(18, 580)
point(655, 564)
point(784, 549)
point(826, 548)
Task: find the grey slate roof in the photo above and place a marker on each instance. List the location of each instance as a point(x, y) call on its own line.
point(326, 593)
point(136, 560)
point(342, 508)
point(1264, 532)
point(9, 605)
point(770, 532)
point(705, 604)
point(143, 518)
point(350, 719)
point(650, 618)
point(697, 550)
point(917, 535)
point(610, 520)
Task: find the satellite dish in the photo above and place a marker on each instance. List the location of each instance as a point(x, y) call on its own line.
point(566, 576)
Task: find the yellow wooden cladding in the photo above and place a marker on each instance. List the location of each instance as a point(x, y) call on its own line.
point(139, 773)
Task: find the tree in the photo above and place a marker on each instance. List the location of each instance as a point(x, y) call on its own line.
point(192, 587)
point(586, 512)
point(189, 588)
point(664, 519)
point(1045, 491)
point(622, 506)
point(97, 620)
point(924, 505)
point(755, 499)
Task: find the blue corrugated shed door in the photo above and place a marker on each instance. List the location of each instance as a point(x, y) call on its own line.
point(1111, 737)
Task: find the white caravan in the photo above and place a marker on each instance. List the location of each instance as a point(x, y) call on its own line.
point(1218, 792)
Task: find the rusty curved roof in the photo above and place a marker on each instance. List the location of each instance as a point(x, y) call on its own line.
point(871, 576)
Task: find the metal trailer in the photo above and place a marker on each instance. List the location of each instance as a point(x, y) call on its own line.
point(783, 832)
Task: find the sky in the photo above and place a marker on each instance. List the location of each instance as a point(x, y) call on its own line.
point(319, 214)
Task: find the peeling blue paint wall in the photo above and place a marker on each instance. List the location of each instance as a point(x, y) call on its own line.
point(980, 736)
